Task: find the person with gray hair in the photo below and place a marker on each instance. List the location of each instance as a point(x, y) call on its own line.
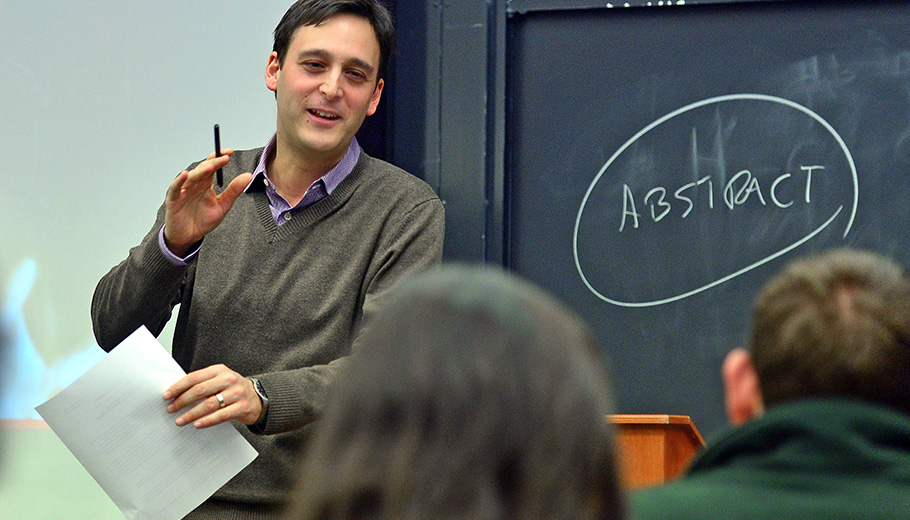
point(473, 395)
point(820, 403)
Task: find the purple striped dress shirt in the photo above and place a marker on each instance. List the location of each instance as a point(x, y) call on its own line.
point(281, 210)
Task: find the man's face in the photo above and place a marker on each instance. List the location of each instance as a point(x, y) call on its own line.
point(326, 86)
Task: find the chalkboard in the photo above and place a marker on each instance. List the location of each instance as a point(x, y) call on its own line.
point(663, 162)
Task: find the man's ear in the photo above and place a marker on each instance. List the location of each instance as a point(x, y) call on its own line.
point(374, 98)
point(272, 69)
point(742, 390)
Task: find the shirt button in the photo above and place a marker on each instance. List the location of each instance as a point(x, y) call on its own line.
point(265, 181)
point(287, 216)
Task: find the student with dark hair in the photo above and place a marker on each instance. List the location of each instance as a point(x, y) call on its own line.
point(275, 272)
point(820, 404)
point(473, 395)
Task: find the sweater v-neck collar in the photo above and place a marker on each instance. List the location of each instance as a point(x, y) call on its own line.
point(311, 214)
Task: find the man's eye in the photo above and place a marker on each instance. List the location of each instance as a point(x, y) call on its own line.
point(313, 65)
point(356, 75)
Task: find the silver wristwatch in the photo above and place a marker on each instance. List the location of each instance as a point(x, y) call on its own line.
point(257, 385)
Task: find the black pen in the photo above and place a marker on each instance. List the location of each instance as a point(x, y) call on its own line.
point(220, 176)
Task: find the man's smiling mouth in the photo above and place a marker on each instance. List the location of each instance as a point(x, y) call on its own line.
point(323, 114)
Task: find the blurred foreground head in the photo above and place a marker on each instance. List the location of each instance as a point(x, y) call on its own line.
point(836, 324)
point(473, 395)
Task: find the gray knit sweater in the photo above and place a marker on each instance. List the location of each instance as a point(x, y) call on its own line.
point(279, 303)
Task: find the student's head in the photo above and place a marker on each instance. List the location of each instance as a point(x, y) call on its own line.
point(832, 325)
point(326, 71)
point(472, 395)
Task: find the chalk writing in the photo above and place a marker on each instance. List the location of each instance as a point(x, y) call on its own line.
point(736, 192)
point(751, 186)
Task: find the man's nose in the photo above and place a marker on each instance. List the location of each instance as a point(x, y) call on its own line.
point(331, 86)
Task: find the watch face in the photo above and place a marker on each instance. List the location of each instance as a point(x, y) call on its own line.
point(259, 426)
point(257, 385)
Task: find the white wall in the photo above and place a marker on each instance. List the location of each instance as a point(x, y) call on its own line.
point(102, 103)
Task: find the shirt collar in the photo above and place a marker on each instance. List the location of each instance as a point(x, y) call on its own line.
point(331, 179)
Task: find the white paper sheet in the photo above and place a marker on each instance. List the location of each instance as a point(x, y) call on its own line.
point(113, 419)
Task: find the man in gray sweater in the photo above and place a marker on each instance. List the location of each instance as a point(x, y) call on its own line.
point(274, 274)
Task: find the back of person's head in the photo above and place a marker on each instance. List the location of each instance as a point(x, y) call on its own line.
point(314, 12)
point(472, 395)
point(836, 324)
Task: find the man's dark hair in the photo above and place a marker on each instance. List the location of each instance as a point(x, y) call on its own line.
point(835, 325)
point(314, 12)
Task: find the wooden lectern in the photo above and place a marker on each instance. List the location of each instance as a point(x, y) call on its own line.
point(654, 449)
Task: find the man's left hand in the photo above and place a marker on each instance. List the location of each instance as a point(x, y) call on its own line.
point(239, 399)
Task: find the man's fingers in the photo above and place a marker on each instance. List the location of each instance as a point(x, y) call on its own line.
point(235, 189)
point(201, 176)
point(224, 151)
point(190, 396)
point(200, 390)
point(173, 191)
point(202, 394)
point(190, 380)
point(208, 409)
point(238, 398)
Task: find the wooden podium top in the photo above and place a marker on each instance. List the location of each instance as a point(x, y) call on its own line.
point(654, 449)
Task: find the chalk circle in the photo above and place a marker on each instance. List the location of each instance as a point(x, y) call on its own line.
point(710, 101)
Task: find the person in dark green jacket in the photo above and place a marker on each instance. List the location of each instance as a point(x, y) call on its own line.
point(819, 406)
